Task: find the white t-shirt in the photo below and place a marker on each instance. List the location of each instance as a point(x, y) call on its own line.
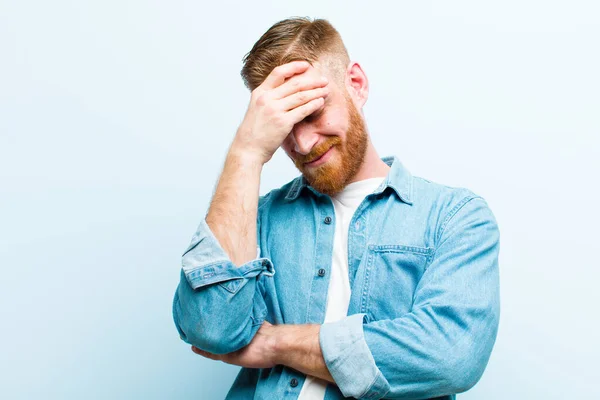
point(345, 204)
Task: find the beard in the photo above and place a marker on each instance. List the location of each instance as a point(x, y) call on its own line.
point(332, 176)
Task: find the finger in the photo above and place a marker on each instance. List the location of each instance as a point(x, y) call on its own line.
point(303, 97)
point(203, 353)
point(299, 83)
point(282, 72)
point(303, 111)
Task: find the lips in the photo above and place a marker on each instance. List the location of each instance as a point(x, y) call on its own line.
point(318, 158)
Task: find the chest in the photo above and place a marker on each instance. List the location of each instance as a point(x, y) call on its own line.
point(388, 248)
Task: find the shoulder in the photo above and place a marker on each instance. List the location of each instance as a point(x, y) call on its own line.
point(451, 204)
point(277, 195)
point(427, 191)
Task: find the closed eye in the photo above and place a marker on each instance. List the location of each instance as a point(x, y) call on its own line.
point(313, 116)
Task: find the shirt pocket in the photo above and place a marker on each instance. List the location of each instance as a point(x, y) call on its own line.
point(392, 273)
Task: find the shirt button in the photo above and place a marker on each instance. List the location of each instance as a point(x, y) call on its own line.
point(327, 220)
point(321, 272)
point(294, 382)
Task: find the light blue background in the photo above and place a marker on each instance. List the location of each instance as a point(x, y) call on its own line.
point(114, 121)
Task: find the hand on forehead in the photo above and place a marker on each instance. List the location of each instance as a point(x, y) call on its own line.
point(314, 71)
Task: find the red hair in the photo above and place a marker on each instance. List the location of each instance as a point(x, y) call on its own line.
point(295, 39)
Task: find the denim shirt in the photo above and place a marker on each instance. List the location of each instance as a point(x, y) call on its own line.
point(423, 269)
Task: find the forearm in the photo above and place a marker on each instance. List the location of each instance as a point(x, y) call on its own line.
point(298, 348)
point(220, 317)
point(233, 210)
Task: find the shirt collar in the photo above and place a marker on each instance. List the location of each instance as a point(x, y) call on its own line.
point(398, 178)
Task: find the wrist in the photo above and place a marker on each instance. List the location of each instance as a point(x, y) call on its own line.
point(294, 342)
point(281, 344)
point(243, 151)
point(242, 155)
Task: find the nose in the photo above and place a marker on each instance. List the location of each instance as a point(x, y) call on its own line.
point(303, 138)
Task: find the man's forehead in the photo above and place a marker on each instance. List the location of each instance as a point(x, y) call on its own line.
point(321, 67)
point(318, 68)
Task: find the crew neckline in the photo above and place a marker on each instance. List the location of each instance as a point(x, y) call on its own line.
point(358, 189)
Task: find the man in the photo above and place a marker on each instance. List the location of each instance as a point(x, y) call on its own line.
point(356, 279)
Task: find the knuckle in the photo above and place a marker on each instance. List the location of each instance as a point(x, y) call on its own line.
point(269, 110)
point(279, 120)
point(302, 97)
point(256, 93)
point(262, 99)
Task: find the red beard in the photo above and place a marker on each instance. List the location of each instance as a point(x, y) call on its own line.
point(345, 161)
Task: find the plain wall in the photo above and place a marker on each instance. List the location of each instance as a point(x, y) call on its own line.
point(114, 121)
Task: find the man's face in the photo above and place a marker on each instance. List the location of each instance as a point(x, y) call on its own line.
point(338, 134)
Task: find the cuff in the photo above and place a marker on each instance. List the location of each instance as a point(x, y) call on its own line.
point(205, 262)
point(349, 359)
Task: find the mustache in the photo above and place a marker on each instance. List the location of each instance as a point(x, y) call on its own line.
point(318, 150)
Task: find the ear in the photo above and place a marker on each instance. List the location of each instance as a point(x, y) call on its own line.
point(357, 84)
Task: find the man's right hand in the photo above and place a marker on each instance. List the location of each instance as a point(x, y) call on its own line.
point(290, 93)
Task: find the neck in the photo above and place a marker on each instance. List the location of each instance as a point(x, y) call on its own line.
point(372, 166)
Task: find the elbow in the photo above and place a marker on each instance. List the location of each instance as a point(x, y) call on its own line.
point(470, 357)
point(214, 343)
point(466, 369)
point(463, 377)
point(217, 333)
point(460, 381)
point(218, 341)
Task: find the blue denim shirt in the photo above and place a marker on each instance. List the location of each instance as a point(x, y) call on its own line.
point(423, 269)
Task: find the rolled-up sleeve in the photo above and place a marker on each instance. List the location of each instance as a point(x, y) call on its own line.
point(443, 344)
point(218, 306)
point(205, 262)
